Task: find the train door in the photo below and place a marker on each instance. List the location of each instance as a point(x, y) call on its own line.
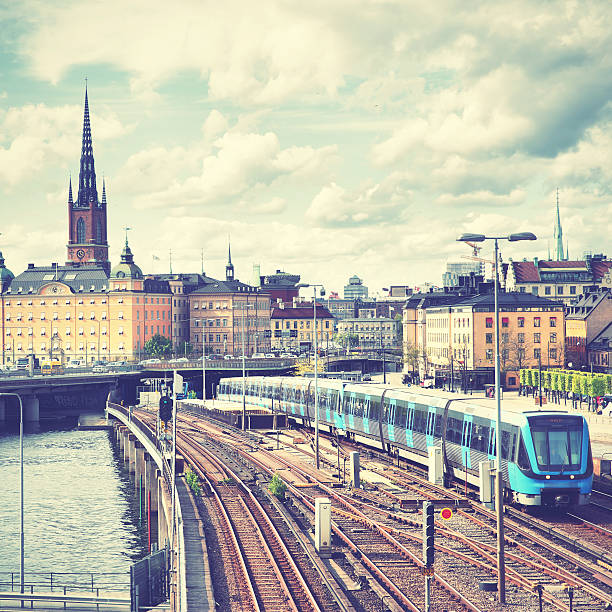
point(391, 420)
point(339, 410)
point(366, 413)
point(431, 426)
point(465, 441)
point(351, 411)
point(410, 424)
point(492, 438)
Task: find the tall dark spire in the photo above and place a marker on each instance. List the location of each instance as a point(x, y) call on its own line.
point(229, 269)
point(70, 191)
point(88, 192)
point(104, 195)
point(558, 235)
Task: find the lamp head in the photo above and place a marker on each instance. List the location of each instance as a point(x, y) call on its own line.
point(522, 236)
point(322, 292)
point(471, 238)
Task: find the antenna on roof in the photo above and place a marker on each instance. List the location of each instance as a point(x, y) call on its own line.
point(170, 251)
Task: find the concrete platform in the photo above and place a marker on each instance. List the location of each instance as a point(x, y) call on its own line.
point(231, 413)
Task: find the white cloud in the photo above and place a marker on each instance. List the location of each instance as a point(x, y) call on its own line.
point(37, 136)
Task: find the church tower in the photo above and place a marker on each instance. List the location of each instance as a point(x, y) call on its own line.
point(229, 268)
point(87, 225)
point(558, 236)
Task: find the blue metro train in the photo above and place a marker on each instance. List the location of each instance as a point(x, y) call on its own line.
point(546, 454)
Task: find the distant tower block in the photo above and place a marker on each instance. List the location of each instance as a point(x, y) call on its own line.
point(323, 526)
point(354, 474)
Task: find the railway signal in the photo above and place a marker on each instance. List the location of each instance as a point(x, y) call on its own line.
point(428, 534)
point(165, 408)
point(446, 514)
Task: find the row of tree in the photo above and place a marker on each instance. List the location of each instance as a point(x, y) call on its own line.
point(558, 384)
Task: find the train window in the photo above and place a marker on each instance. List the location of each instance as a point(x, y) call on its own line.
point(401, 416)
point(557, 441)
point(420, 420)
point(374, 409)
point(505, 444)
point(453, 430)
point(366, 409)
point(523, 457)
point(480, 437)
point(438, 426)
point(410, 420)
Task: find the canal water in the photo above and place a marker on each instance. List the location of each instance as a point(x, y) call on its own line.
point(81, 513)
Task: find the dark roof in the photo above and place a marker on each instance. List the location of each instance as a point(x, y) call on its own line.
point(434, 298)
point(231, 286)
point(525, 272)
point(302, 312)
point(600, 268)
point(603, 340)
point(510, 299)
point(81, 279)
point(584, 305)
point(562, 264)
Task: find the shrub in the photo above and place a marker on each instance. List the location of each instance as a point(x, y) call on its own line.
point(277, 487)
point(193, 481)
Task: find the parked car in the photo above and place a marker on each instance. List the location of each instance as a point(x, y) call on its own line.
point(75, 363)
point(270, 356)
point(366, 378)
point(98, 369)
point(258, 355)
point(228, 357)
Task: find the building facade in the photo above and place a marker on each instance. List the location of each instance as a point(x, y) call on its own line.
point(355, 289)
point(293, 327)
point(372, 332)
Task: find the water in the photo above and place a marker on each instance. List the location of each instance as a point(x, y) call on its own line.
point(80, 511)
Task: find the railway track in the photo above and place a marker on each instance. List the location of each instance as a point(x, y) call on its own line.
point(391, 545)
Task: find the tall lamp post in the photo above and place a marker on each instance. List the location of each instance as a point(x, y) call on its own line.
point(21, 538)
point(316, 380)
point(499, 486)
point(245, 306)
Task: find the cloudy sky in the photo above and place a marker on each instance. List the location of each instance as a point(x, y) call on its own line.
point(328, 138)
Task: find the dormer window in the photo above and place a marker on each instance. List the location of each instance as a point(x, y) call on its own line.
point(42, 302)
point(92, 301)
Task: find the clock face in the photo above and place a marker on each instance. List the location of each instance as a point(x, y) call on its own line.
point(80, 253)
point(54, 288)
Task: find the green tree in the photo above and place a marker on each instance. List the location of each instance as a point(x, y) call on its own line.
point(599, 386)
point(411, 356)
point(529, 377)
point(158, 346)
point(277, 487)
point(346, 339)
point(608, 383)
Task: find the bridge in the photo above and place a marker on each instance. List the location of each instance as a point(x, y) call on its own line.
point(85, 391)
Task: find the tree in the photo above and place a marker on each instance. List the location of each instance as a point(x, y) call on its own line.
point(346, 339)
point(158, 345)
point(411, 356)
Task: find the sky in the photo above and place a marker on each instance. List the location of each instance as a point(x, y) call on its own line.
point(324, 138)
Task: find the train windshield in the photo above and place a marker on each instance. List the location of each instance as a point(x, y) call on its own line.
point(557, 441)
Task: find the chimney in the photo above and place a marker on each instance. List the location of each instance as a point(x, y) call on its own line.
point(30, 266)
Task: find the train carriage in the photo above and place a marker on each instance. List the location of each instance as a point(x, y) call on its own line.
point(546, 454)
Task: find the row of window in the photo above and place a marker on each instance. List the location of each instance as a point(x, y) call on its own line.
point(537, 322)
point(535, 290)
point(505, 353)
point(67, 316)
point(520, 337)
point(67, 347)
point(54, 302)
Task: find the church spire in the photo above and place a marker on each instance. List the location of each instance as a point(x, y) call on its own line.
point(70, 191)
point(558, 235)
point(229, 269)
point(104, 194)
point(88, 192)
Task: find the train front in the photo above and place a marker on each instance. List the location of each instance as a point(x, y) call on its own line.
point(554, 465)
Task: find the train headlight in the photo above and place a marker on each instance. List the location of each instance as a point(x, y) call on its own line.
point(571, 477)
point(547, 476)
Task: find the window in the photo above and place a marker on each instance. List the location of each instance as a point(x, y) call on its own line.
point(80, 316)
point(120, 331)
point(521, 337)
point(42, 316)
point(92, 331)
point(573, 289)
point(536, 338)
point(534, 290)
point(553, 321)
point(521, 353)
point(505, 338)
point(547, 290)
point(489, 338)
point(55, 316)
point(80, 231)
point(536, 353)
point(80, 331)
point(553, 337)
point(504, 321)
point(120, 315)
point(67, 331)
point(560, 290)
point(536, 322)
point(489, 322)
point(489, 354)
point(521, 321)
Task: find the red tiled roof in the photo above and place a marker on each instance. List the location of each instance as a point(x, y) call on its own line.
point(600, 268)
point(300, 313)
point(561, 264)
point(525, 272)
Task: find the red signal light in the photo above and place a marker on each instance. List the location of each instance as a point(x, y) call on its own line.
point(446, 513)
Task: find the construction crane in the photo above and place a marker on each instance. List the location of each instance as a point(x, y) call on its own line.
point(475, 248)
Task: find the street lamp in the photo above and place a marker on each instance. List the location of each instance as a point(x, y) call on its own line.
point(316, 381)
point(382, 348)
point(245, 306)
point(21, 555)
point(499, 488)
